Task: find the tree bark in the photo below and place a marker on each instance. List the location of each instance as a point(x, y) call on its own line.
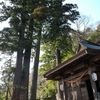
point(35, 72)
point(25, 78)
point(58, 61)
point(17, 78)
point(18, 71)
point(26, 64)
point(58, 57)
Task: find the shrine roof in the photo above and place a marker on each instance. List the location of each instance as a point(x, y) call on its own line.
point(87, 44)
point(86, 51)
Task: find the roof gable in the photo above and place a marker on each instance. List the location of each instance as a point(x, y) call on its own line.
point(87, 44)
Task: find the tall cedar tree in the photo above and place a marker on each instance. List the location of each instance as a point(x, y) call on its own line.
point(62, 15)
point(40, 17)
point(19, 38)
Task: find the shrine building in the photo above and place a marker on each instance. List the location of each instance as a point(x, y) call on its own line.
point(79, 76)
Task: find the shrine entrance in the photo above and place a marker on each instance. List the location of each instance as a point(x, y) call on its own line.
point(79, 75)
point(81, 90)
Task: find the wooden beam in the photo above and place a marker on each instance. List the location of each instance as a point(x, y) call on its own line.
point(75, 76)
point(96, 58)
point(79, 74)
point(72, 69)
point(76, 68)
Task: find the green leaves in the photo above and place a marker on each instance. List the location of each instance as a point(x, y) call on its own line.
point(8, 40)
point(40, 13)
point(46, 88)
point(95, 35)
point(7, 78)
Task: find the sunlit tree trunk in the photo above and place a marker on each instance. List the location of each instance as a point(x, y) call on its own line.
point(35, 69)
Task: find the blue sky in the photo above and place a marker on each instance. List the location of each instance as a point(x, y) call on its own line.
point(88, 7)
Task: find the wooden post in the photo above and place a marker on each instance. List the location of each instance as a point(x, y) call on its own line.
point(93, 85)
point(64, 90)
point(79, 91)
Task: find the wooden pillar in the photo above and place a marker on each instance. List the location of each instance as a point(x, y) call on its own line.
point(64, 90)
point(93, 85)
point(79, 91)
